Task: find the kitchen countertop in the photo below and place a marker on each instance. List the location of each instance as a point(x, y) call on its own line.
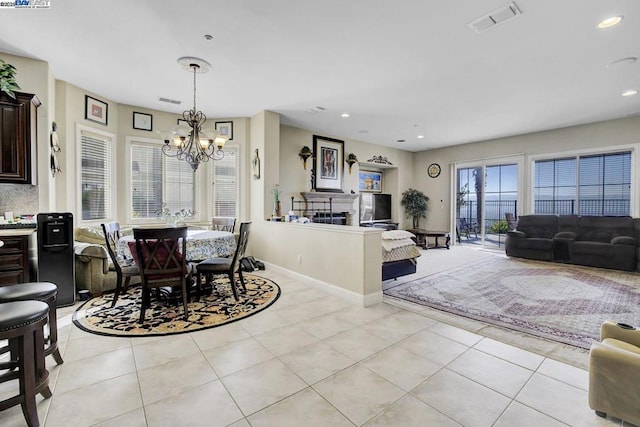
point(17, 232)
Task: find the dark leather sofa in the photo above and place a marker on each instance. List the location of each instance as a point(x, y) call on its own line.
point(596, 241)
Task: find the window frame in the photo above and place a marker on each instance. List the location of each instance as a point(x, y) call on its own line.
point(634, 164)
point(211, 193)
point(131, 140)
point(80, 128)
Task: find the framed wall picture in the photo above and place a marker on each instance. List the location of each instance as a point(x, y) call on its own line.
point(225, 129)
point(142, 121)
point(95, 110)
point(370, 181)
point(328, 164)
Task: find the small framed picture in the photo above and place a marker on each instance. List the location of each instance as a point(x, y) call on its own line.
point(370, 181)
point(95, 110)
point(142, 121)
point(328, 164)
point(225, 129)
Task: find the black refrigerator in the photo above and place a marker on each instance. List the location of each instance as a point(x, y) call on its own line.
point(56, 262)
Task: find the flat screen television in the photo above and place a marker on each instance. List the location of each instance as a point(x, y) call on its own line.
point(375, 207)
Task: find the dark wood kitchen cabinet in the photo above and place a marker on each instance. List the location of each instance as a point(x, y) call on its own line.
point(18, 136)
point(14, 260)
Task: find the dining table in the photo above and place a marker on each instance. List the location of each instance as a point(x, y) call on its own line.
point(201, 245)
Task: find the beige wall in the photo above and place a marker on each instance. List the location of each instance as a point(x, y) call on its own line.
point(595, 136)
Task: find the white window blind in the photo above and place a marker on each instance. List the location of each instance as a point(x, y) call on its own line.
point(156, 180)
point(96, 173)
point(225, 183)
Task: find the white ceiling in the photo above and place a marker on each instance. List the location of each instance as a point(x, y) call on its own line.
point(400, 68)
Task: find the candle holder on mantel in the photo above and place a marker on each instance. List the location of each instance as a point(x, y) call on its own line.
point(351, 160)
point(305, 153)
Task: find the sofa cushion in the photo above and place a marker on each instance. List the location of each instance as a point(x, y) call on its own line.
point(538, 226)
point(594, 248)
point(535, 243)
point(604, 228)
point(89, 235)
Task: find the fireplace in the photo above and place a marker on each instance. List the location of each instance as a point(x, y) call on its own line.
point(330, 208)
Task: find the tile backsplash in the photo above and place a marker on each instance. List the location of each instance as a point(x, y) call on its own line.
point(21, 199)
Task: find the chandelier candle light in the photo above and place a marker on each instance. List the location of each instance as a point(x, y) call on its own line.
point(191, 142)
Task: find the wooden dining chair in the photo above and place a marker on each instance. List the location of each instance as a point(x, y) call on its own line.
point(125, 268)
point(159, 255)
point(223, 223)
point(228, 266)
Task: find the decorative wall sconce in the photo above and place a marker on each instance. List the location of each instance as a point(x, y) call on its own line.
point(351, 160)
point(305, 153)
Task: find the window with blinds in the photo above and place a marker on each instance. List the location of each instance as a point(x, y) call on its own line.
point(96, 176)
point(156, 180)
point(584, 185)
point(225, 183)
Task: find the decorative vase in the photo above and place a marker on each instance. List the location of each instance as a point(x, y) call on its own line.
point(276, 209)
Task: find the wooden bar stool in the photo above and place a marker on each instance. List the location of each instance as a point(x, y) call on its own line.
point(22, 324)
point(38, 291)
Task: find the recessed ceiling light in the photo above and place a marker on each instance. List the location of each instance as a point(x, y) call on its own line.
point(420, 136)
point(401, 140)
point(629, 92)
point(624, 61)
point(610, 22)
point(363, 131)
point(345, 115)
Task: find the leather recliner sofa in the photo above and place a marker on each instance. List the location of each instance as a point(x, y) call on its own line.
point(596, 241)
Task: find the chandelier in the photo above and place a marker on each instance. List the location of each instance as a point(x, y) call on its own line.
point(190, 142)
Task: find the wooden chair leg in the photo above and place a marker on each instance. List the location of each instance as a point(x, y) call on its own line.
point(233, 285)
point(185, 298)
point(53, 332)
point(244, 288)
point(28, 384)
point(118, 287)
point(143, 303)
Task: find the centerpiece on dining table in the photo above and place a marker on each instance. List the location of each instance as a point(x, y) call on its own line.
point(172, 219)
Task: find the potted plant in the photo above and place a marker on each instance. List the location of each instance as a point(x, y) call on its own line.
point(416, 205)
point(8, 79)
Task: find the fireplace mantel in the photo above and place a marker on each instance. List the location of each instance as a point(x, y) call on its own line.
point(340, 202)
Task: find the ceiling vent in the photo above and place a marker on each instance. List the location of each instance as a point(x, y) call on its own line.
point(317, 109)
point(495, 18)
point(170, 101)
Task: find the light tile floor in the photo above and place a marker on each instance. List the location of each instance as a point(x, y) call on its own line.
point(312, 359)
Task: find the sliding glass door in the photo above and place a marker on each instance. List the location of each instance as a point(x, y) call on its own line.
point(485, 194)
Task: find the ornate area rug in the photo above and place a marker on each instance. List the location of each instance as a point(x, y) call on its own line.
point(166, 317)
point(561, 302)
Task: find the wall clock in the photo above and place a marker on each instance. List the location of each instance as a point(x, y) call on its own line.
point(434, 170)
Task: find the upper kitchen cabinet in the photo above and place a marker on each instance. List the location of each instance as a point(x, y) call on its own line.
point(18, 132)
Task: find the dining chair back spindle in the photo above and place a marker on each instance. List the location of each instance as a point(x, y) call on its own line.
point(125, 268)
point(159, 255)
point(223, 223)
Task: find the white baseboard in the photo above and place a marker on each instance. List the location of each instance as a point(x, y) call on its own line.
point(365, 300)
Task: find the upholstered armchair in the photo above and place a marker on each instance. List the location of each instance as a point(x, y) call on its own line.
point(614, 373)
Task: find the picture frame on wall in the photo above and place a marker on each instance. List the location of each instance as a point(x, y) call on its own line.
point(370, 181)
point(142, 121)
point(328, 164)
point(225, 129)
point(96, 110)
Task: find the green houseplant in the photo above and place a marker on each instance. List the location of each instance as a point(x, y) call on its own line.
point(415, 204)
point(8, 79)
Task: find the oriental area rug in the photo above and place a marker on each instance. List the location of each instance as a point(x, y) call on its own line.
point(560, 302)
point(165, 316)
